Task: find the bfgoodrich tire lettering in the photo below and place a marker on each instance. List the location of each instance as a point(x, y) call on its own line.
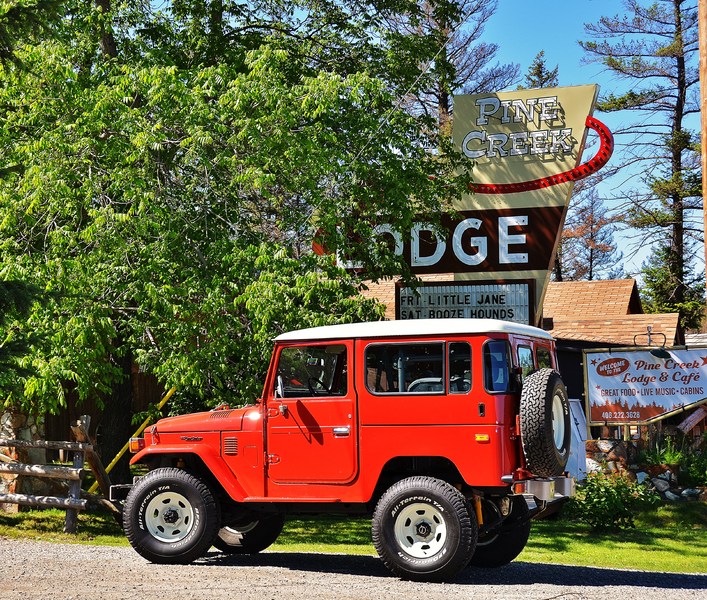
point(170, 516)
point(423, 529)
point(545, 423)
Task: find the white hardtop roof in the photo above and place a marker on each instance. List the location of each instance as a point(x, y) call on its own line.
point(412, 327)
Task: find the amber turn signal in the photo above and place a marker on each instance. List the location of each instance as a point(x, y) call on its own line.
point(136, 444)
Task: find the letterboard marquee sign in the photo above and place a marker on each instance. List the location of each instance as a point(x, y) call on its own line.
point(506, 301)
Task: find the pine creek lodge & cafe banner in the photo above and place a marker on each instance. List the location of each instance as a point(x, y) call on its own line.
point(628, 386)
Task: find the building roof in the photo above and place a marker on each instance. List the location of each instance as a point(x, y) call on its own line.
point(585, 299)
point(628, 330)
point(606, 312)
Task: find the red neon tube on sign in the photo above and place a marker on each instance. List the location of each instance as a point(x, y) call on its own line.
point(606, 148)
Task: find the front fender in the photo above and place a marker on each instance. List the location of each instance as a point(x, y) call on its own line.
point(212, 461)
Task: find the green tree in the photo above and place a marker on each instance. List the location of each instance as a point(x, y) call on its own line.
point(538, 75)
point(24, 20)
point(659, 290)
point(16, 300)
point(168, 198)
point(653, 47)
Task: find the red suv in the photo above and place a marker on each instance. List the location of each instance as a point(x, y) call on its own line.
point(439, 429)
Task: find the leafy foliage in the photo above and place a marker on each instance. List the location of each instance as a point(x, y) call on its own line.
point(610, 500)
point(168, 169)
point(16, 300)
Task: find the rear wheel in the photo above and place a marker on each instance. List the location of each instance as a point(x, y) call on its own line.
point(501, 546)
point(171, 516)
point(249, 536)
point(423, 529)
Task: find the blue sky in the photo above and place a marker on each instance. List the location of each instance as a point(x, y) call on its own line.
point(522, 29)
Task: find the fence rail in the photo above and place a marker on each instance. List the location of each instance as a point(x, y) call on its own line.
point(81, 452)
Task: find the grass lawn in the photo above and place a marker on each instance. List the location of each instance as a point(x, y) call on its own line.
point(671, 538)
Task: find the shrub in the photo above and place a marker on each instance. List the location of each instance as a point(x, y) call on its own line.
point(693, 469)
point(610, 500)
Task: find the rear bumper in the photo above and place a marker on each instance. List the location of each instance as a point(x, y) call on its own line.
point(549, 489)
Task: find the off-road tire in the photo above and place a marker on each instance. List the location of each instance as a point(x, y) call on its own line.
point(501, 546)
point(171, 516)
point(423, 529)
point(249, 536)
point(545, 423)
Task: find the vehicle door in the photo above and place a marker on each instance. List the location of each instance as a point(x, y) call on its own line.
point(312, 422)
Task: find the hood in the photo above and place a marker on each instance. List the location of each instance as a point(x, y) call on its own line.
point(214, 420)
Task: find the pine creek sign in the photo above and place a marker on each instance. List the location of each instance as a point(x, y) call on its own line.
point(634, 386)
point(525, 148)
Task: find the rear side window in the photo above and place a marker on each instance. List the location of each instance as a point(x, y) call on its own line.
point(459, 367)
point(544, 358)
point(497, 367)
point(405, 368)
point(525, 360)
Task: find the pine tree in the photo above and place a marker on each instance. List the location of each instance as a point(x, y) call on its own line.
point(538, 75)
point(659, 290)
point(654, 49)
point(589, 250)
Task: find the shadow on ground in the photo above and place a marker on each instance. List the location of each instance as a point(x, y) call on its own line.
point(517, 573)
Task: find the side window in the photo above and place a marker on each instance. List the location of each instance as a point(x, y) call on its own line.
point(544, 358)
point(459, 367)
point(497, 372)
point(525, 360)
point(308, 371)
point(405, 368)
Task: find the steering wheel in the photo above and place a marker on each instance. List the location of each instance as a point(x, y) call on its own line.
point(310, 384)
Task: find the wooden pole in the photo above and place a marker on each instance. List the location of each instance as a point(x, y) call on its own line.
point(140, 429)
point(702, 28)
point(80, 431)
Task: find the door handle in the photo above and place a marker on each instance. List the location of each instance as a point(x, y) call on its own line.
point(342, 431)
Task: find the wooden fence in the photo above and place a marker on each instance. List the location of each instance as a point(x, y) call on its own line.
point(81, 451)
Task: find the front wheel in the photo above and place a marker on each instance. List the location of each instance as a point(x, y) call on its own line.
point(171, 516)
point(423, 529)
point(249, 536)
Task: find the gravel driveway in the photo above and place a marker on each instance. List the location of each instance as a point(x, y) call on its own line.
point(41, 570)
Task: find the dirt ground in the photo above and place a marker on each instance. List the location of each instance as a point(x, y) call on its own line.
point(42, 570)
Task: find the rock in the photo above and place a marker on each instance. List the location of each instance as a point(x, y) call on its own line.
point(691, 493)
point(593, 466)
point(672, 497)
point(641, 476)
point(660, 484)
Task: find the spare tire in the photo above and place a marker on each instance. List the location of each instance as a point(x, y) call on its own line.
point(545, 423)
